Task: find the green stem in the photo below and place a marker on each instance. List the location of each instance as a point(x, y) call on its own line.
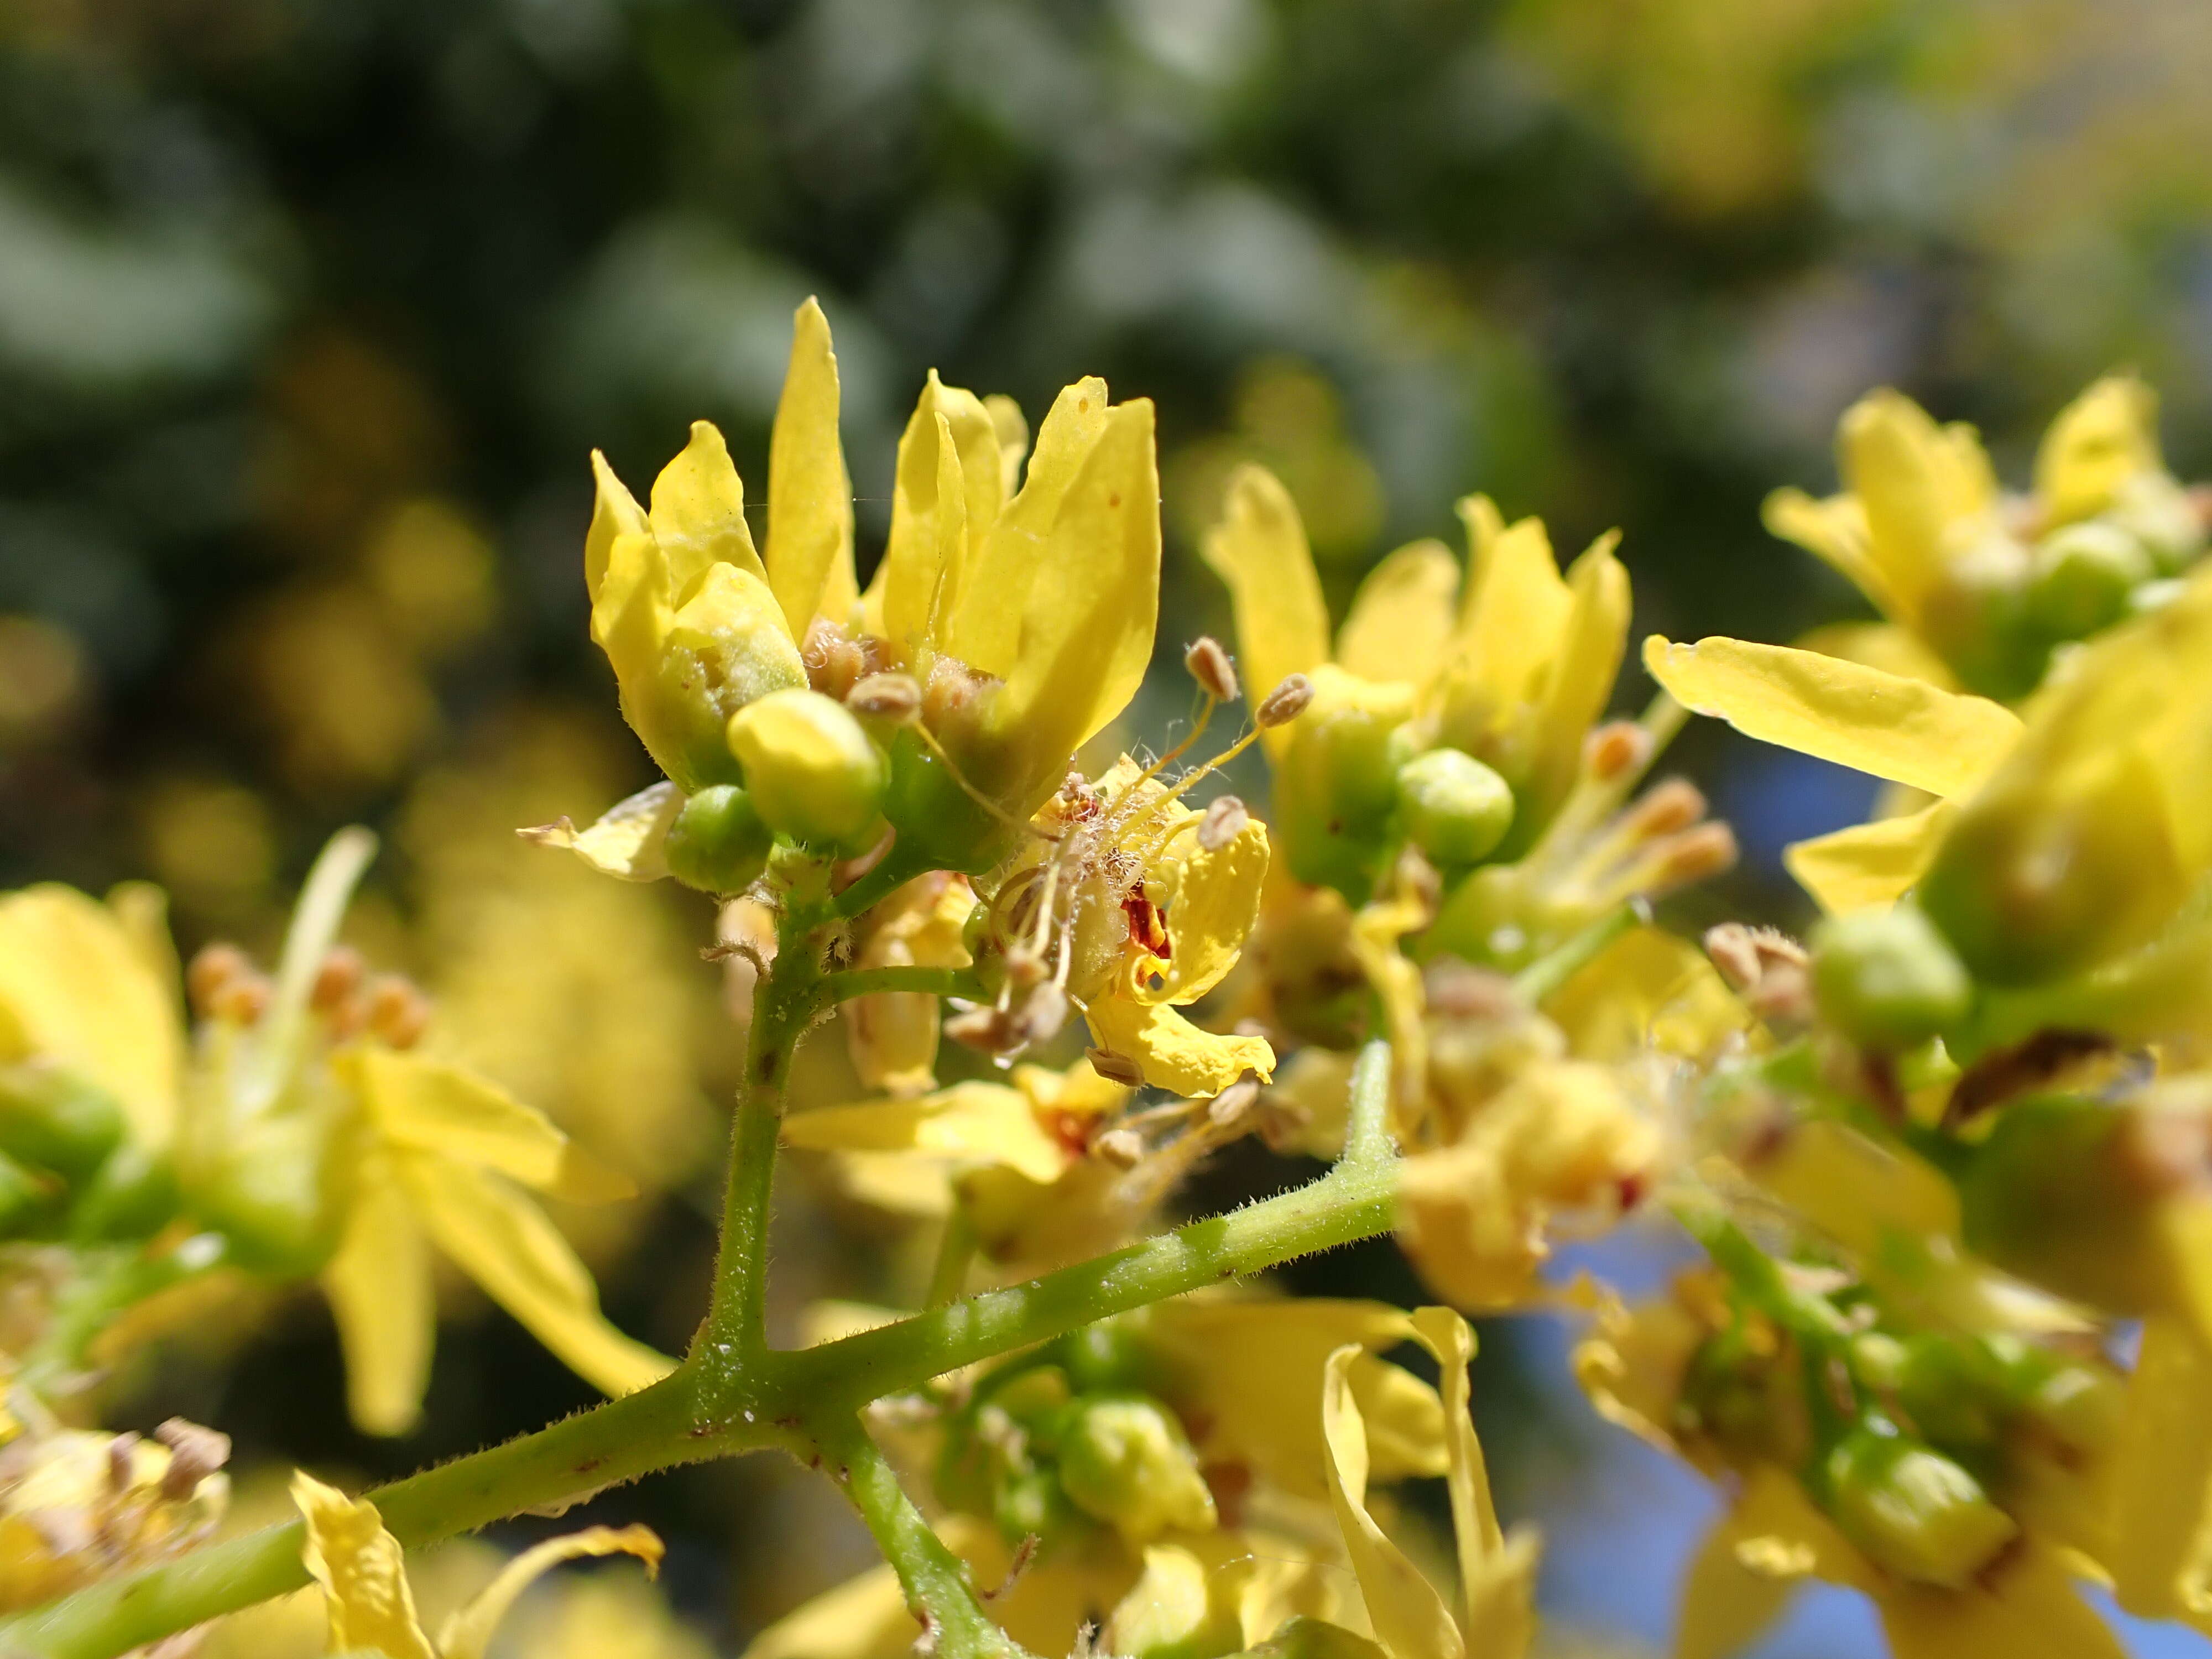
point(618, 1441)
point(938, 1593)
point(1367, 1117)
point(956, 1252)
point(1545, 975)
point(933, 981)
point(1353, 1201)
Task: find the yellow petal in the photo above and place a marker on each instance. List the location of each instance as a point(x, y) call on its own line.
point(1496, 1573)
point(76, 990)
point(1217, 901)
point(1410, 1617)
point(810, 494)
point(698, 513)
point(929, 483)
point(2026, 1604)
point(1014, 430)
point(361, 1569)
point(1869, 864)
point(503, 1242)
point(864, 1618)
point(1515, 610)
point(1728, 1600)
point(1648, 990)
point(1834, 529)
point(1252, 1369)
point(2103, 438)
point(1904, 730)
point(1259, 548)
point(1175, 1054)
point(1578, 685)
point(468, 1632)
point(629, 840)
point(615, 513)
point(1885, 646)
point(1919, 485)
point(985, 628)
point(1400, 620)
point(432, 1106)
point(1087, 626)
point(986, 1122)
point(2159, 1472)
point(382, 1298)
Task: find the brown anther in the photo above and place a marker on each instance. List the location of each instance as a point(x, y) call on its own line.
point(1209, 665)
point(1697, 854)
point(1666, 809)
point(1025, 967)
point(398, 1014)
point(1116, 1068)
point(1123, 1148)
point(211, 971)
point(1224, 820)
point(195, 1453)
point(1616, 748)
point(834, 660)
point(122, 1463)
point(886, 697)
point(337, 980)
point(242, 1000)
point(951, 688)
point(1285, 702)
point(984, 1030)
point(1042, 1014)
point(1231, 1107)
point(1746, 955)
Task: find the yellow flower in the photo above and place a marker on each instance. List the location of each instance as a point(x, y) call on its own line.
point(2056, 843)
point(1923, 531)
point(1015, 672)
point(305, 1128)
point(1511, 667)
point(891, 1035)
point(77, 1505)
point(361, 1568)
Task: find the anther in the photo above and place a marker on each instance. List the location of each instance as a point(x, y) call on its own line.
point(1041, 1015)
point(834, 659)
point(1224, 820)
point(337, 980)
point(984, 1030)
point(398, 1014)
point(1667, 807)
point(1616, 748)
point(1209, 665)
point(1285, 702)
point(886, 697)
point(211, 971)
point(195, 1453)
point(1123, 1148)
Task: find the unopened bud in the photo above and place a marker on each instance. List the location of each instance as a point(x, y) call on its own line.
point(719, 844)
point(398, 1013)
point(195, 1453)
point(812, 773)
point(1914, 1510)
point(1887, 980)
point(1224, 820)
point(1210, 667)
point(1116, 1068)
point(1615, 749)
point(1126, 1461)
point(1285, 702)
point(337, 980)
point(52, 1118)
point(1455, 809)
point(1123, 1148)
point(2082, 576)
point(2164, 516)
point(896, 697)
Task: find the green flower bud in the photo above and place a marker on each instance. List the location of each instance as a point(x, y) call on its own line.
point(1037, 1400)
point(1314, 1638)
point(1108, 1358)
point(26, 1200)
point(2082, 577)
point(1174, 1612)
point(1914, 1511)
point(1455, 809)
point(1976, 615)
point(813, 774)
point(718, 843)
point(271, 1195)
point(1125, 1460)
point(1028, 1502)
point(133, 1196)
point(1887, 979)
point(2155, 509)
point(1337, 785)
point(52, 1119)
point(1952, 1391)
point(2080, 1406)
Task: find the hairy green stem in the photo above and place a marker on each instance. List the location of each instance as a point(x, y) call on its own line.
point(956, 1253)
point(1367, 1138)
point(935, 1580)
point(935, 981)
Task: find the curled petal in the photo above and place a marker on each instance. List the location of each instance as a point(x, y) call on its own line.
point(1869, 864)
point(1175, 1054)
point(362, 1572)
point(629, 840)
point(468, 1632)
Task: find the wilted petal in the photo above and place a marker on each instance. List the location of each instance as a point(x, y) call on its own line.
point(361, 1569)
point(629, 840)
point(468, 1632)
